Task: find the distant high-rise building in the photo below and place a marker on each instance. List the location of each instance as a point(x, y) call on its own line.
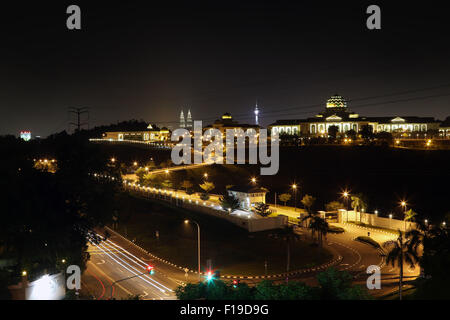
point(256, 113)
point(182, 122)
point(189, 120)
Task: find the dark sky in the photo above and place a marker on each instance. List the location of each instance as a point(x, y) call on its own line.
point(145, 60)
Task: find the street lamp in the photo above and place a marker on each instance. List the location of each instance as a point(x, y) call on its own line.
point(345, 194)
point(135, 163)
point(403, 204)
point(205, 175)
point(113, 160)
point(253, 180)
point(390, 219)
point(294, 187)
point(198, 242)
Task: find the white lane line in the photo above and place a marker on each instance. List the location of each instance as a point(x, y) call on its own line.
point(134, 270)
point(117, 246)
point(143, 264)
point(129, 269)
point(149, 278)
point(108, 277)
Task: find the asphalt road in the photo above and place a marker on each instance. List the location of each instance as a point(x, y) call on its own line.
point(110, 262)
point(117, 259)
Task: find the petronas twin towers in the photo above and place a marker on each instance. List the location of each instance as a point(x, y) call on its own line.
point(186, 123)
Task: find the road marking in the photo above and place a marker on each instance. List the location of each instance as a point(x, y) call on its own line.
point(102, 262)
point(134, 270)
point(109, 278)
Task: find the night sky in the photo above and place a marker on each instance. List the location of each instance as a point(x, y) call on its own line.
point(144, 60)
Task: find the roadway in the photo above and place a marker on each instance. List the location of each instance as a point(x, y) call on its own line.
point(117, 259)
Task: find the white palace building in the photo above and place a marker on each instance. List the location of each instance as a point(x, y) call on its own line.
point(337, 114)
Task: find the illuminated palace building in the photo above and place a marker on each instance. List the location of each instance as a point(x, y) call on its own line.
point(337, 114)
point(152, 134)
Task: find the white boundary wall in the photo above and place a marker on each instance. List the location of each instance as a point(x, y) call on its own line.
point(372, 219)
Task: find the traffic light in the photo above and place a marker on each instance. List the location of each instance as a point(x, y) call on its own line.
point(236, 283)
point(150, 269)
point(209, 276)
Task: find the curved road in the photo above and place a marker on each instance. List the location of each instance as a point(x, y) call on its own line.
point(117, 258)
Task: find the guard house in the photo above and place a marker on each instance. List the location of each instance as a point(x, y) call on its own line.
point(248, 196)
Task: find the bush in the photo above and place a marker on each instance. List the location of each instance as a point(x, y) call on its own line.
point(334, 229)
point(368, 241)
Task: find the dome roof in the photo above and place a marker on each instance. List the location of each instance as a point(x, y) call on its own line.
point(336, 101)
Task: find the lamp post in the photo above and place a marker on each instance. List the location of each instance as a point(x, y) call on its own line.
point(198, 242)
point(403, 204)
point(294, 187)
point(345, 194)
point(390, 219)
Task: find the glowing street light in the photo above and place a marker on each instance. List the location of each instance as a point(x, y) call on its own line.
point(205, 175)
point(135, 163)
point(253, 180)
point(345, 194)
point(24, 273)
point(198, 242)
point(113, 160)
point(166, 171)
point(294, 187)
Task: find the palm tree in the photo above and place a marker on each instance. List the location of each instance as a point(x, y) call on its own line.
point(358, 204)
point(308, 218)
point(401, 250)
point(320, 226)
point(288, 235)
point(409, 216)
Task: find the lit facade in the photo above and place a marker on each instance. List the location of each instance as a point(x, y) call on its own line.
point(226, 122)
point(337, 114)
point(248, 196)
point(152, 134)
point(25, 135)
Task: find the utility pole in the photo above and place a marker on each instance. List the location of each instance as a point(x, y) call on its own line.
point(79, 112)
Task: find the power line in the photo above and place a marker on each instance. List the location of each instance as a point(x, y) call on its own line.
point(79, 112)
